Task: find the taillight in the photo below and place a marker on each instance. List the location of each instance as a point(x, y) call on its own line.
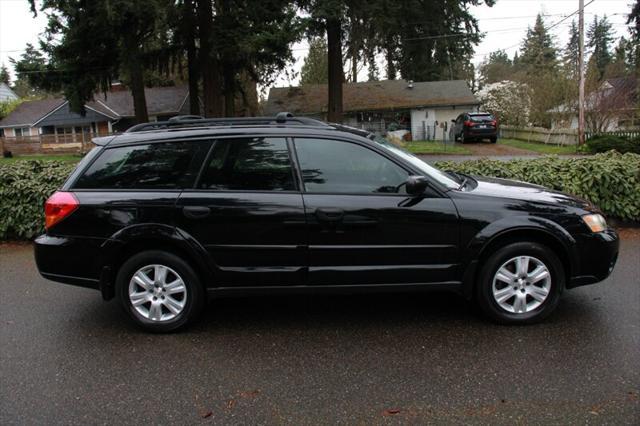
point(494, 123)
point(59, 206)
point(468, 123)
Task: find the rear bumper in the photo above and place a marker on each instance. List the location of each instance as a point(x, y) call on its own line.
point(480, 133)
point(69, 260)
point(598, 254)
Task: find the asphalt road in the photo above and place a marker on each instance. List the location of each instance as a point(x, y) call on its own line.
point(67, 357)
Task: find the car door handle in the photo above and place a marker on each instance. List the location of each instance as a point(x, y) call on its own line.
point(196, 212)
point(330, 215)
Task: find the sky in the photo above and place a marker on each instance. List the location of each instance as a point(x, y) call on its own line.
point(505, 25)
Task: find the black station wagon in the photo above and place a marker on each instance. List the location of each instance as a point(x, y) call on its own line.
point(167, 213)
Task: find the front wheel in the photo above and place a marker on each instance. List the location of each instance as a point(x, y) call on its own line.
point(159, 291)
point(520, 283)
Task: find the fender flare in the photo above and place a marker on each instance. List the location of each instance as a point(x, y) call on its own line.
point(113, 247)
point(476, 247)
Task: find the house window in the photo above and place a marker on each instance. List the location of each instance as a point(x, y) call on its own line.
point(20, 132)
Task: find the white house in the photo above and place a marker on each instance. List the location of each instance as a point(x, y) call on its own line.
point(425, 108)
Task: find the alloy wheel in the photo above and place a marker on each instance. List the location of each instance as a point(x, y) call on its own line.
point(157, 293)
point(521, 284)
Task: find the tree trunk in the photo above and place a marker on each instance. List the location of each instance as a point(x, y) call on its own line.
point(336, 74)
point(229, 77)
point(192, 60)
point(354, 63)
point(209, 68)
point(391, 66)
point(133, 66)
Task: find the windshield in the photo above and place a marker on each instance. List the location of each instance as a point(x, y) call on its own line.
point(425, 168)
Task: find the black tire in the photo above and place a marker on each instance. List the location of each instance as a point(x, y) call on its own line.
point(462, 138)
point(484, 287)
point(194, 293)
point(493, 139)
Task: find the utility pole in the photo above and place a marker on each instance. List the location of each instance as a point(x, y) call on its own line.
point(581, 71)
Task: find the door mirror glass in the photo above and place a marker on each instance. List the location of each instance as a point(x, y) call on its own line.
point(416, 185)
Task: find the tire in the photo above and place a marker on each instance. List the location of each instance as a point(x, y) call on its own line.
point(493, 139)
point(462, 138)
point(537, 305)
point(169, 297)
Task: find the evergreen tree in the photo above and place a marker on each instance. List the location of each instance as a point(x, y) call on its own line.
point(4, 75)
point(497, 67)
point(633, 53)
point(599, 39)
point(571, 57)
point(539, 54)
point(315, 69)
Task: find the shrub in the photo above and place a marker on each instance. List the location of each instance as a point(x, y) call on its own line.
point(606, 143)
point(24, 187)
point(610, 180)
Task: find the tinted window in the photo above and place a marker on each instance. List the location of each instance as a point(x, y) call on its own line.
point(343, 167)
point(479, 118)
point(250, 164)
point(153, 166)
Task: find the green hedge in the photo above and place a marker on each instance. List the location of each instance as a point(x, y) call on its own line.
point(606, 143)
point(610, 180)
point(24, 187)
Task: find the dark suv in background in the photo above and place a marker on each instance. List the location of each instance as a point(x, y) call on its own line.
point(166, 213)
point(475, 126)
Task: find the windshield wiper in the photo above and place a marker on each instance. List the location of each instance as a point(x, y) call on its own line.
point(463, 183)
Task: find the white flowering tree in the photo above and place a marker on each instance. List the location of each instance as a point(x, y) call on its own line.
point(509, 101)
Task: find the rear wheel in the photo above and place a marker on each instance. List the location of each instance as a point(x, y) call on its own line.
point(520, 283)
point(493, 139)
point(159, 291)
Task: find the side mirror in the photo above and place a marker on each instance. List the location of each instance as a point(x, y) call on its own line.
point(453, 121)
point(416, 185)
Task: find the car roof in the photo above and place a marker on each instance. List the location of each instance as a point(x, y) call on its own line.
point(195, 127)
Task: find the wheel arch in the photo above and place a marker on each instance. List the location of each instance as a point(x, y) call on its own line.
point(138, 238)
point(488, 241)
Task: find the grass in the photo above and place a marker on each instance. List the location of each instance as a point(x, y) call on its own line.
point(69, 158)
point(433, 147)
point(539, 147)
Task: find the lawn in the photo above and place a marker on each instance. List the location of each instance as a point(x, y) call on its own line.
point(69, 158)
point(539, 147)
point(432, 147)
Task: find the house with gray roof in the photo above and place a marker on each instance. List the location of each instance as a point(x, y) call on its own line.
point(424, 108)
point(6, 94)
point(51, 120)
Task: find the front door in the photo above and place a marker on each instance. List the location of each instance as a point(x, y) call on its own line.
point(363, 226)
point(247, 212)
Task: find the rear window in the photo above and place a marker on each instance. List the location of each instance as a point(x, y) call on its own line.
point(481, 118)
point(170, 165)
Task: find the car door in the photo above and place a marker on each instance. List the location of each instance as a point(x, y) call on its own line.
point(361, 231)
point(247, 211)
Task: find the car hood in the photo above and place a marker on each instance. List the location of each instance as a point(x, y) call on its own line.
point(505, 188)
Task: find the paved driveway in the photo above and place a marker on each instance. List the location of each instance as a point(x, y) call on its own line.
point(67, 357)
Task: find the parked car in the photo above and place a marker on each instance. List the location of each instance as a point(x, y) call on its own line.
point(167, 213)
point(475, 126)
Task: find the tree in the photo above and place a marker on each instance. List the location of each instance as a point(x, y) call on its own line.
point(599, 39)
point(571, 56)
point(633, 19)
point(4, 75)
point(508, 101)
point(315, 69)
point(497, 67)
point(538, 54)
point(32, 73)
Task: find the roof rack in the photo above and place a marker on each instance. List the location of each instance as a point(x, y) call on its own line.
point(185, 121)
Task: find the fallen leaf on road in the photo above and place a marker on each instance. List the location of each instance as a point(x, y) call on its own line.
point(250, 394)
point(390, 412)
point(231, 403)
point(207, 414)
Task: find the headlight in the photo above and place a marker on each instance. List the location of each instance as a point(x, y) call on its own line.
point(595, 222)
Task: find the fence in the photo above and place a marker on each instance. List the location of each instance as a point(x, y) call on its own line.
point(631, 134)
point(47, 144)
point(541, 135)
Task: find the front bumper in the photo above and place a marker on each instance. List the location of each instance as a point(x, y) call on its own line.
point(597, 255)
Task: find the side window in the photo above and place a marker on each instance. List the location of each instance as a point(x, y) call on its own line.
point(343, 167)
point(167, 165)
point(249, 164)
